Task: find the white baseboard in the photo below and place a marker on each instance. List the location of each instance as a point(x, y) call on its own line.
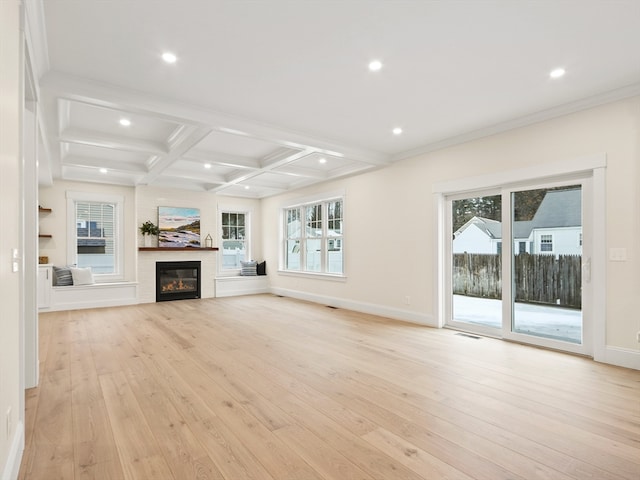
point(622, 357)
point(612, 355)
point(370, 308)
point(12, 467)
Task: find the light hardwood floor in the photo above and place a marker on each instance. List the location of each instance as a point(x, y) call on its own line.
point(263, 387)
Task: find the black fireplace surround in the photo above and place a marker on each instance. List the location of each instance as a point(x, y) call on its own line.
point(177, 280)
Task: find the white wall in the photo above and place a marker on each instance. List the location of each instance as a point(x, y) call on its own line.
point(55, 223)
point(148, 199)
point(141, 204)
point(11, 101)
point(381, 274)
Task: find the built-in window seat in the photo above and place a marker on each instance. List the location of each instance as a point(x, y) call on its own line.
point(75, 297)
point(241, 285)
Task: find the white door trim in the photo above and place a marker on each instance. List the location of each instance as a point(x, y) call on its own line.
point(593, 166)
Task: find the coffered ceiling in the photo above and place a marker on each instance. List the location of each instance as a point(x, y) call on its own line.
point(269, 96)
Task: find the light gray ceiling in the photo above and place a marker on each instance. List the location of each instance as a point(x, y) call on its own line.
point(262, 90)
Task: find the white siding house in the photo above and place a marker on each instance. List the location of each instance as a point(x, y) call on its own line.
point(478, 235)
point(555, 229)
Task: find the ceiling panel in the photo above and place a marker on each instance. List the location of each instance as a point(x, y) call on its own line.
point(197, 168)
point(242, 145)
point(88, 174)
point(83, 116)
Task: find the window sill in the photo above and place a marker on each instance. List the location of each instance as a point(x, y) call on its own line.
point(228, 273)
point(335, 277)
point(176, 249)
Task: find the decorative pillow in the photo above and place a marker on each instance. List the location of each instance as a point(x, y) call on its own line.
point(81, 276)
point(249, 269)
point(261, 268)
point(62, 276)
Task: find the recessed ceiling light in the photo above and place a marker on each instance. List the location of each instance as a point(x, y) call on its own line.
point(207, 165)
point(375, 65)
point(557, 73)
point(169, 57)
point(397, 131)
point(125, 122)
point(322, 160)
point(103, 170)
point(247, 187)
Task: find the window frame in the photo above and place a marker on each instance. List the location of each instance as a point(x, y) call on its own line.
point(546, 240)
point(118, 231)
point(300, 206)
point(222, 209)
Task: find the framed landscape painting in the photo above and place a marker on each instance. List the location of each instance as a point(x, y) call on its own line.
point(179, 227)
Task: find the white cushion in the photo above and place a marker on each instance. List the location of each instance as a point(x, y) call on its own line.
point(82, 276)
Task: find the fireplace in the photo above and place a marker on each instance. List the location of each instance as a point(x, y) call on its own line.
point(177, 280)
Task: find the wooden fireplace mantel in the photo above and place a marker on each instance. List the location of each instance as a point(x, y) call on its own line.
point(177, 249)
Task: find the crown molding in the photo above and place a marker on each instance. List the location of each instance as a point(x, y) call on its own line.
point(36, 37)
point(541, 116)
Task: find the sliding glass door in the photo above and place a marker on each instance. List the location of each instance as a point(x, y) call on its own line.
point(518, 263)
point(476, 262)
point(548, 265)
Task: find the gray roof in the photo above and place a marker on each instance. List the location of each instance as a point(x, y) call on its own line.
point(522, 229)
point(559, 208)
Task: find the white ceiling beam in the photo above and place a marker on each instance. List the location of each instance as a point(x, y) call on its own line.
point(306, 172)
point(176, 182)
point(278, 156)
point(96, 163)
point(208, 176)
point(82, 89)
point(238, 177)
point(187, 140)
point(82, 174)
point(222, 159)
point(84, 137)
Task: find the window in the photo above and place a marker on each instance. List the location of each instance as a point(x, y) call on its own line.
point(546, 243)
point(95, 234)
point(313, 237)
point(95, 240)
point(522, 247)
point(235, 239)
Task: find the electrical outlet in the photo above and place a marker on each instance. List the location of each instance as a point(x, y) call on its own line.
point(407, 300)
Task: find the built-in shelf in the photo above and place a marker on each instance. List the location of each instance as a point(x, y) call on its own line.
point(44, 210)
point(177, 249)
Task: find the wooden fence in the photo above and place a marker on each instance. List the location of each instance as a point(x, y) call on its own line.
point(544, 279)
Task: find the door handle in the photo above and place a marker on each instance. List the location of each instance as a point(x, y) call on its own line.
point(586, 270)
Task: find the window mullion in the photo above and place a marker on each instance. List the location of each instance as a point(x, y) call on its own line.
point(323, 243)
